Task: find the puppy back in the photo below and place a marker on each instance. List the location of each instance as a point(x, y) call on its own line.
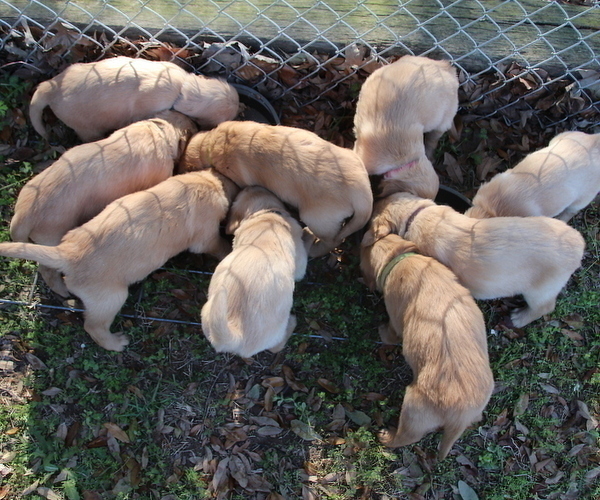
point(444, 335)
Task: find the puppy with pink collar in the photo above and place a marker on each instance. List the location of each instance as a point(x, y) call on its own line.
point(403, 109)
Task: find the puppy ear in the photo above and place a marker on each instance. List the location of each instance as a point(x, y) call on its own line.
point(379, 229)
point(368, 238)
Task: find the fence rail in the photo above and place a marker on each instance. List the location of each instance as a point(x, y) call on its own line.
point(251, 41)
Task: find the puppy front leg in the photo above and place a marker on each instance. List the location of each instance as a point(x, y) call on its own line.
point(388, 335)
point(288, 333)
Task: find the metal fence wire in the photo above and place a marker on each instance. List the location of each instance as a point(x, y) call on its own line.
point(256, 42)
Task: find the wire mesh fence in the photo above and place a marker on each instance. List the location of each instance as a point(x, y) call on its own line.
point(263, 42)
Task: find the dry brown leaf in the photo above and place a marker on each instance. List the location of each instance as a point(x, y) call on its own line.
point(238, 471)
point(521, 405)
point(115, 431)
point(291, 380)
point(48, 493)
point(221, 475)
point(273, 382)
point(269, 430)
point(574, 320)
point(591, 475)
point(328, 386)
point(453, 168)
point(488, 164)
point(374, 396)
point(35, 362)
point(305, 431)
point(53, 391)
point(550, 388)
point(576, 337)
point(264, 421)
point(91, 495)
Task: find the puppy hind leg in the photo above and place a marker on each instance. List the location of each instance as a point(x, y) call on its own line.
point(218, 247)
point(430, 140)
point(288, 333)
point(54, 280)
point(568, 213)
point(325, 225)
point(539, 302)
point(389, 335)
point(451, 433)
point(100, 311)
point(414, 422)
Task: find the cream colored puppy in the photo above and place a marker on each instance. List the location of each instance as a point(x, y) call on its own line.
point(402, 111)
point(129, 239)
point(498, 257)
point(250, 293)
point(96, 98)
point(443, 338)
point(556, 181)
point(327, 184)
point(86, 178)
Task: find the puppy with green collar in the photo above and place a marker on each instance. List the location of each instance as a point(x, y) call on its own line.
point(443, 338)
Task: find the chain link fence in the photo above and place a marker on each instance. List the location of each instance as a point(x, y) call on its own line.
point(267, 44)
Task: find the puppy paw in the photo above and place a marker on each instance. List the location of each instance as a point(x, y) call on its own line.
point(117, 342)
point(521, 317)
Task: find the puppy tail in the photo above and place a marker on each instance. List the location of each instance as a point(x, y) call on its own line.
point(46, 255)
point(38, 102)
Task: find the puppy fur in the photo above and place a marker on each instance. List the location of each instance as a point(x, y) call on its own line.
point(443, 338)
point(250, 293)
point(132, 237)
point(327, 184)
point(86, 178)
point(118, 91)
point(498, 257)
point(402, 111)
point(556, 181)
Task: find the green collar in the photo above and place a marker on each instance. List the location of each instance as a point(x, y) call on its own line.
point(388, 268)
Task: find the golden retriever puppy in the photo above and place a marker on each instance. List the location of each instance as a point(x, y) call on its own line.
point(443, 338)
point(402, 111)
point(556, 181)
point(250, 293)
point(129, 239)
point(327, 184)
point(498, 257)
point(96, 98)
point(88, 177)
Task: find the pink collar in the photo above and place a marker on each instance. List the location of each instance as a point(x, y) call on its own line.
point(389, 173)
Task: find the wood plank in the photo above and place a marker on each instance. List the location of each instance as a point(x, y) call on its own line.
point(474, 34)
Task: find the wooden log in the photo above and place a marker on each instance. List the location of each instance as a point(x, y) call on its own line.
point(476, 35)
